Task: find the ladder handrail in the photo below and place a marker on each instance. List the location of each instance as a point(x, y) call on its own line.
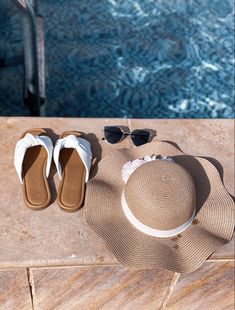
point(29, 13)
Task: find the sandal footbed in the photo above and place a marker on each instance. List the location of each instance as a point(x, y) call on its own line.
point(36, 191)
point(71, 189)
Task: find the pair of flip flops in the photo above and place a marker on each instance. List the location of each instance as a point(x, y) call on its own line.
point(33, 157)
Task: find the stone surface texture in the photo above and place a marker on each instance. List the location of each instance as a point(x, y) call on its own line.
point(53, 237)
point(53, 260)
point(14, 290)
point(210, 287)
point(103, 287)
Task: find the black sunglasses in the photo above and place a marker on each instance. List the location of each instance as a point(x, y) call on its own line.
point(115, 134)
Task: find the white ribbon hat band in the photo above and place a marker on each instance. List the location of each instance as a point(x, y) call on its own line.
point(151, 231)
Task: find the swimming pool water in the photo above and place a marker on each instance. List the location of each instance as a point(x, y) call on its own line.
point(122, 58)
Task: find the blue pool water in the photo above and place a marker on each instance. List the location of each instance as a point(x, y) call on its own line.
point(128, 58)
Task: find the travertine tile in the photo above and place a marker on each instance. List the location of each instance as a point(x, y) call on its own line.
point(99, 288)
point(53, 237)
point(14, 290)
point(211, 287)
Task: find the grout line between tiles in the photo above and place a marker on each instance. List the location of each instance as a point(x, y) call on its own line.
point(217, 260)
point(13, 267)
point(173, 283)
point(31, 288)
point(52, 266)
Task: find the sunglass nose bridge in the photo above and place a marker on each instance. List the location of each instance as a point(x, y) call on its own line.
point(115, 134)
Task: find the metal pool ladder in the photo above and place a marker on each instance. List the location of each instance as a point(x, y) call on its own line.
point(34, 55)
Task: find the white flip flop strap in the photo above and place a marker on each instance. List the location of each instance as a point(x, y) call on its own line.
point(28, 141)
point(81, 145)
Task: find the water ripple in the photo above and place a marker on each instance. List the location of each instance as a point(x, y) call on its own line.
point(125, 58)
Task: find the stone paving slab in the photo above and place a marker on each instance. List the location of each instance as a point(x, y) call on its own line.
point(99, 287)
point(210, 287)
point(54, 238)
point(14, 290)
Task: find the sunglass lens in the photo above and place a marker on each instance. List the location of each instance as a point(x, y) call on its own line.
point(113, 134)
point(140, 137)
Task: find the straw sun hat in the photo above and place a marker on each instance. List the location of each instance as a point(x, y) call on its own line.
point(155, 206)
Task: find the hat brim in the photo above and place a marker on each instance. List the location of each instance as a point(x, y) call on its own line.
point(212, 227)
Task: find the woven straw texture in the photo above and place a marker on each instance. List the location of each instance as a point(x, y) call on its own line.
point(212, 227)
point(149, 192)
